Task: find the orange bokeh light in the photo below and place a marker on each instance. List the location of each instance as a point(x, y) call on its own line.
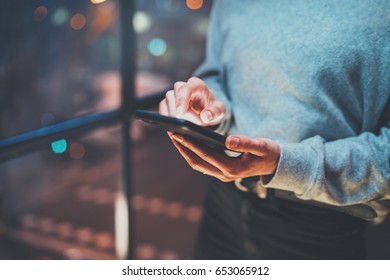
point(40, 13)
point(103, 17)
point(78, 21)
point(76, 151)
point(194, 4)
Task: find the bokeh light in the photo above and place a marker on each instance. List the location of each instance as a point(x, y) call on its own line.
point(141, 22)
point(194, 4)
point(78, 21)
point(40, 13)
point(60, 16)
point(73, 254)
point(76, 151)
point(121, 226)
point(157, 46)
point(59, 146)
point(97, 1)
point(104, 17)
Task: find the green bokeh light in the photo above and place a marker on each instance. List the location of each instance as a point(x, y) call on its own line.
point(59, 146)
point(60, 16)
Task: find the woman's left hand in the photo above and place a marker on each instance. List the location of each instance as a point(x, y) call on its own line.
point(259, 156)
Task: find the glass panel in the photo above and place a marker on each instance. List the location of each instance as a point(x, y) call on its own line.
point(171, 39)
point(58, 59)
point(64, 202)
point(168, 198)
point(59, 203)
point(168, 194)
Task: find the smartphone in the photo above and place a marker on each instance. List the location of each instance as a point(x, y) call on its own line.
point(194, 132)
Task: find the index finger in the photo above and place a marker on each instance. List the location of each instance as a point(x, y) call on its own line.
point(183, 97)
point(184, 92)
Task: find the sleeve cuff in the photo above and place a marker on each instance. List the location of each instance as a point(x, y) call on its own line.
point(298, 169)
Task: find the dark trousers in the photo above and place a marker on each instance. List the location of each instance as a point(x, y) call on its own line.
point(239, 225)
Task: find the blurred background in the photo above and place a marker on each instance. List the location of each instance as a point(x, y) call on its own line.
point(60, 60)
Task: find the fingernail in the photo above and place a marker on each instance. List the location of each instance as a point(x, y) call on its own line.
point(178, 138)
point(233, 142)
point(180, 111)
point(207, 116)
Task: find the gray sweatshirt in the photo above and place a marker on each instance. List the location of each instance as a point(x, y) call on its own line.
point(314, 76)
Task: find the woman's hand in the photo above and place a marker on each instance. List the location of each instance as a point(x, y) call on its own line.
point(260, 156)
point(194, 102)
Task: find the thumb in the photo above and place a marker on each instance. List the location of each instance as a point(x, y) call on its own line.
point(256, 146)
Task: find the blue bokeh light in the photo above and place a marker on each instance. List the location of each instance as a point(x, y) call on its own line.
point(157, 47)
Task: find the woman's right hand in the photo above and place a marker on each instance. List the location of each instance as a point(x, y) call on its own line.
point(193, 101)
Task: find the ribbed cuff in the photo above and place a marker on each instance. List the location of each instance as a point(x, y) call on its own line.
point(298, 170)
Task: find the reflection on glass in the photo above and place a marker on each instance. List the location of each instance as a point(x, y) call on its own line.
point(57, 61)
point(60, 203)
point(65, 202)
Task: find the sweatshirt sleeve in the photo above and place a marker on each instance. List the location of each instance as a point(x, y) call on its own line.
point(342, 172)
point(211, 70)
